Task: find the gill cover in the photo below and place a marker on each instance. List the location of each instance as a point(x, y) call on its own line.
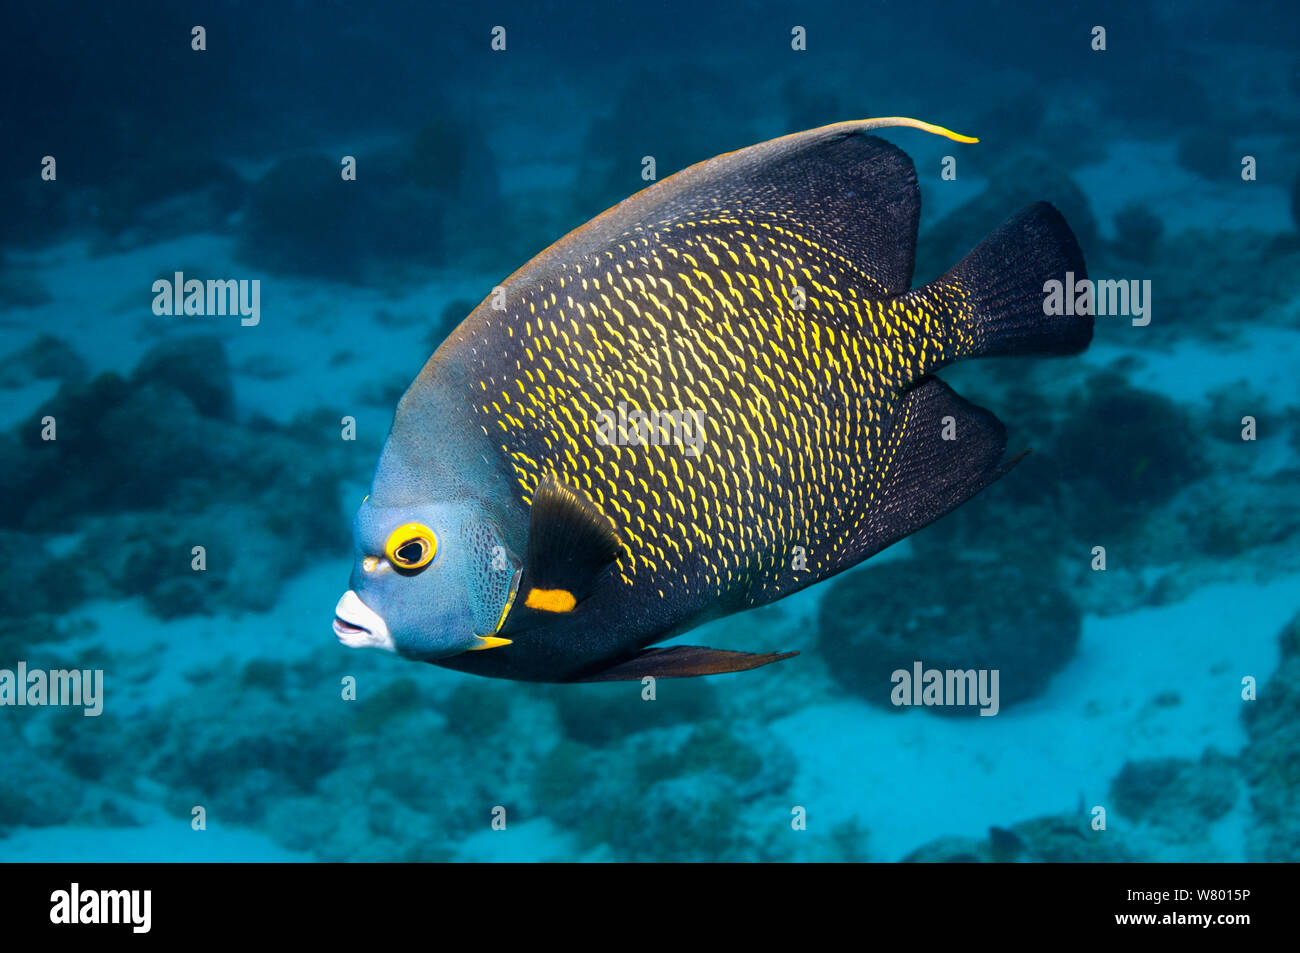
point(492, 580)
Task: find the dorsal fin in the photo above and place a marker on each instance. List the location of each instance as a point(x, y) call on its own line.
point(571, 545)
point(851, 193)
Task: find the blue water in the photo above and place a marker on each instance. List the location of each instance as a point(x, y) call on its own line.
point(1147, 711)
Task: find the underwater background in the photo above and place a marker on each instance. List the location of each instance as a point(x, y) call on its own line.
point(1162, 689)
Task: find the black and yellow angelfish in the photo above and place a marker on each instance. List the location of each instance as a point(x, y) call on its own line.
point(716, 393)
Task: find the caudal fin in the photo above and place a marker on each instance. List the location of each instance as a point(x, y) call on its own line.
point(993, 300)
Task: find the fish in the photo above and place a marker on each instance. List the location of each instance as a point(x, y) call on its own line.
point(713, 395)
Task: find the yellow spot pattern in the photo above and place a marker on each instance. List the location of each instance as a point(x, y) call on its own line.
point(699, 314)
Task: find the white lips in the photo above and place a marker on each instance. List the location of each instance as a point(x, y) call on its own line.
point(358, 626)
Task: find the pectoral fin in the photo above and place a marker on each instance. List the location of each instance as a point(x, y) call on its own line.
point(571, 547)
point(683, 661)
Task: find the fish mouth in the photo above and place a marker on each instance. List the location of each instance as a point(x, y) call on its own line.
point(346, 630)
point(358, 626)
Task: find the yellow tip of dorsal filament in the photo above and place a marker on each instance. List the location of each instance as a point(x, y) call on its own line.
point(916, 124)
point(488, 642)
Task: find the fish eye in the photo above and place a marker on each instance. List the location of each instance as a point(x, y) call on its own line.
point(411, 546)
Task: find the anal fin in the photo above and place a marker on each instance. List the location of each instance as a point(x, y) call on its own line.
point(683, 661)
point(929, 476)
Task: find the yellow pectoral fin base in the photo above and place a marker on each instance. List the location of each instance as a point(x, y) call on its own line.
point(550, 600)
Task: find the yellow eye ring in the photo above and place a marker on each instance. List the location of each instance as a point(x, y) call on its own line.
point(411, 546)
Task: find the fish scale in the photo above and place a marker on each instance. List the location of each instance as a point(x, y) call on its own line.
point(837, 408)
